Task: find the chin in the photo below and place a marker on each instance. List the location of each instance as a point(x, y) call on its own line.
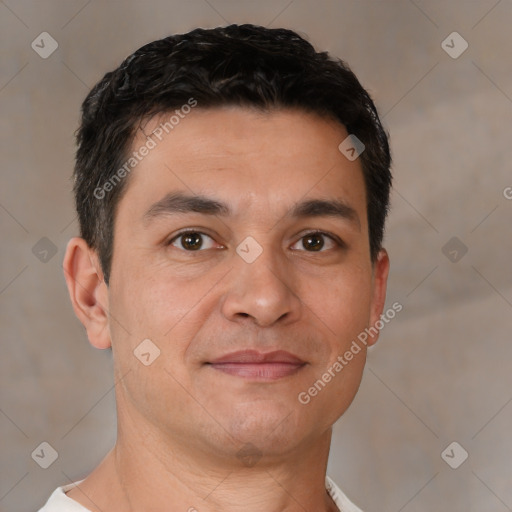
point(272, 427)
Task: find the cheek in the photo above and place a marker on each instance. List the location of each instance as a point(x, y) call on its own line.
point(341, 301)
point(167, 309)
point(150, 307)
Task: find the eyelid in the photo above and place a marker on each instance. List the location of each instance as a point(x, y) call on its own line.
point(337, 240)
point(199, 231)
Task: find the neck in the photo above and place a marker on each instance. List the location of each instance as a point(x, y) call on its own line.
point(145, 472)
point(155, 469)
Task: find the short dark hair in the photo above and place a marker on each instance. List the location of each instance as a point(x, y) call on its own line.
point(242, 65)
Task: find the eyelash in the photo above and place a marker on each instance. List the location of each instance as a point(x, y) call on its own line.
point(340, 244)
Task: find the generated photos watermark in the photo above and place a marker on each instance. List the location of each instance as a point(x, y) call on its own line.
point(343, 360)
point(151, 142)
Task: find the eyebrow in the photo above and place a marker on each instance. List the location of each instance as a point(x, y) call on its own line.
point(181, 203)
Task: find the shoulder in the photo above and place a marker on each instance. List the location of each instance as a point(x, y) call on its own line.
point(59, 502)
point(343, 503)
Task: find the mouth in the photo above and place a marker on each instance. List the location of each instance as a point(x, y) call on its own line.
point(251, 364)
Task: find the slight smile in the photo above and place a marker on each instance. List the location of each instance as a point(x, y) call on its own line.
point(251, 364)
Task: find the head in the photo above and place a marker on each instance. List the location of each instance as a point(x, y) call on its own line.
point(233, 135)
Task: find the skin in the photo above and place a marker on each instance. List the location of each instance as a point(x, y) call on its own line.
point(182, 423)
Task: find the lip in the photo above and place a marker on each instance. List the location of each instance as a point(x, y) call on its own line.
point(255, 357)
point(251, 364)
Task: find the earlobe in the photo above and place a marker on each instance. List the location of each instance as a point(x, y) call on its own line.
point(88, 291)
point(380, 279)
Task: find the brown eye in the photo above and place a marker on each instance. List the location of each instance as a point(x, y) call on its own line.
point(318, 241)
point(313, 242)
point(192, 241)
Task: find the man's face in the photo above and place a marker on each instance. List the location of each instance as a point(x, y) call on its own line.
point(249, 276)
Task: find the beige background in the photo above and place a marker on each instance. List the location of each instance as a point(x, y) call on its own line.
point(442, 369)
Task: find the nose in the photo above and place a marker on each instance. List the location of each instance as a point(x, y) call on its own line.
point(262, 292)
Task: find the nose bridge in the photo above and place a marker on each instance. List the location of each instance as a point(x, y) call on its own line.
point(266, 271)
point(260, 285)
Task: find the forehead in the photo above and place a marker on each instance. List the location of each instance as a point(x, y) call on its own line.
point(247, 158)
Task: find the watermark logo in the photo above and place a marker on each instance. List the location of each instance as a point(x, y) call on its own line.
point(146, 352)
point(249, 249)
point(151, 143)
point(351, 147)
point(454, 249)
point(249, 455)
point(454, 45)
point(454, 455)
point(45, 455)
point(304, 397)
point(44, 45)
point(44, 250)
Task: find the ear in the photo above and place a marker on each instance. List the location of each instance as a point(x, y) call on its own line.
point(88, 291)
point(379, 286)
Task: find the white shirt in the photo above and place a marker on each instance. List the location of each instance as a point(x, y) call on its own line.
point(59, 502)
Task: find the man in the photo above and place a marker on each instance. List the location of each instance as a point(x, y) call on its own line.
point(232, 186)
